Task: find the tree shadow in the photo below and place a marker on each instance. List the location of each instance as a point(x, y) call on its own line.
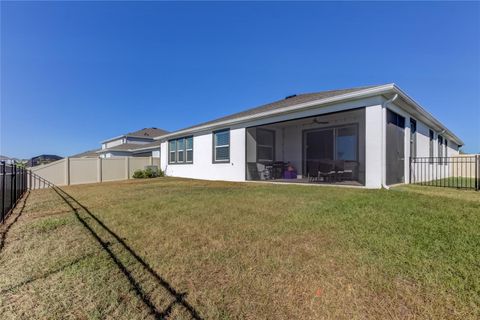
point(178, 297)
point(3, 237)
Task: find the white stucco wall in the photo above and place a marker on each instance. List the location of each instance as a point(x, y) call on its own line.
point(113, 143)
point(203, 166)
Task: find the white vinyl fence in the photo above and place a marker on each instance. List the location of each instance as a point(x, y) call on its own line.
point(70, 171)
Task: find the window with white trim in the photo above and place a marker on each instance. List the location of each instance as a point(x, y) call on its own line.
point(221, 146)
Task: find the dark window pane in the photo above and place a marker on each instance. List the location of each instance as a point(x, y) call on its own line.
point(180, 156)
point(222, 138)
point(172, 156)
point(190, 143)
point(172, 146)
point(264, 153)
point(222, 153)
point(346, 144)
point(265, 137)
point(189, 155)
point(181, 144)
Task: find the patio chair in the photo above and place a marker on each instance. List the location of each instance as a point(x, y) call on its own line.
point(348, 171)
point(326, 171)
point(312, 171)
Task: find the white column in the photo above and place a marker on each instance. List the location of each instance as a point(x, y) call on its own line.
point(373, 147)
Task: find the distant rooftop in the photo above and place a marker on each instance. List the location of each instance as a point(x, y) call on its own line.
point(142, 133)
point(147, 132)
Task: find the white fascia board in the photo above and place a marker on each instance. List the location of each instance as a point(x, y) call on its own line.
point(144, 149)
point(294, 108)
point(111, 139)
point(427, 114)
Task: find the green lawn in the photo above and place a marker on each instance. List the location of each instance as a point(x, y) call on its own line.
point(178, 249)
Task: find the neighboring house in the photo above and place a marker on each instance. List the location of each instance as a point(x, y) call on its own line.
point(140, 143)
point(361, 136)
point(137, 144)
point(87, 154)
point(8, 159)
point(42, 159)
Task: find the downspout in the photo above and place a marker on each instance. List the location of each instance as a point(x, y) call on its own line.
point(384, 141)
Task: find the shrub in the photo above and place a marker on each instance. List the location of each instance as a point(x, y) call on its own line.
point(138, 174)
point(150, 172)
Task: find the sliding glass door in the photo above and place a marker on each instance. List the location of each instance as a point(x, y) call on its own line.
point(334, 147)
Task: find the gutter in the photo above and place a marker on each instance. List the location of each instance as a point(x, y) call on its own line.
point(384, 140)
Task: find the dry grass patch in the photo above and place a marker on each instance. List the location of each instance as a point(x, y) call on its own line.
point(217, 250)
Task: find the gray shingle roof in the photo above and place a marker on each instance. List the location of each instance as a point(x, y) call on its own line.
point(148, 145)
point(86, 154)
point(147, 132)
point(290, 101)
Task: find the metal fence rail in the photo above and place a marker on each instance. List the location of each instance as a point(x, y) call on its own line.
point(13, 184)
point(451, 172)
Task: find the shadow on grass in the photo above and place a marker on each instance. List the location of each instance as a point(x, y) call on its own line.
point(7, 228)
point(179, 298)
point(46, 275)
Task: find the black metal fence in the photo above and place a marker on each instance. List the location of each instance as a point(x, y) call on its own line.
point(13, 184)
point(451, 172)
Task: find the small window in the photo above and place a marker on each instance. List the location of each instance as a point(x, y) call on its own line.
point(431, 144)
point(446, 150)
point(181, 150)
point(189, 149)
point(221, 146)
point(413, 138)
point(265, 145)
point(440, 149)
point(172, 148)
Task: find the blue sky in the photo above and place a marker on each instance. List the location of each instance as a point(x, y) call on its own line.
point(73, 74)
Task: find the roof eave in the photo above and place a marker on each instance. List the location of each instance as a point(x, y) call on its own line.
point(427, 114)
point(348, 96)
point(114, 138)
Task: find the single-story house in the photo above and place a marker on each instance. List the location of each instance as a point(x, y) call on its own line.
point(360, 136)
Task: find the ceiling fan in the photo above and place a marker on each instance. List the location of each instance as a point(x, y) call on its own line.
point(315, 120)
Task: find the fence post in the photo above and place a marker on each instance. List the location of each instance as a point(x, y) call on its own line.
point(12, 185)
point(127, 168)
point(477, 172)
point(3, 190)
point(99, 169)
point(410, 170)
point(67, 171)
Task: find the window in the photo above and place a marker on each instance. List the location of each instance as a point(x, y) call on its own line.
point(265, 145)
point(431, 144)
point(440, 149)
point(172, 149)
point(221, 146)
point(180, 150)
point(446, 150)
point(189, 149)
point(413, 138)
point(346, 143)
